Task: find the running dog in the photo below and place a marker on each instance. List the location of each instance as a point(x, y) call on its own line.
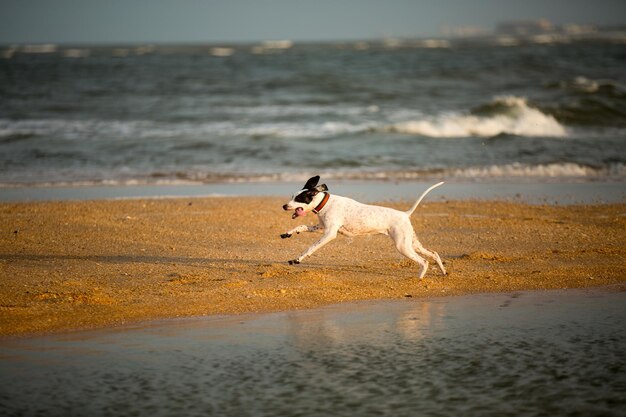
point(343, 215)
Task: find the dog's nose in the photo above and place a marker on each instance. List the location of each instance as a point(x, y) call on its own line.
point(285, 207)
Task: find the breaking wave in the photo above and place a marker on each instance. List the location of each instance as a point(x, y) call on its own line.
point(504, 115)
point(580, 84)
point(11, 130)
point(590, 102)
point(515, 171)
point(555, 170)
point(507, 171)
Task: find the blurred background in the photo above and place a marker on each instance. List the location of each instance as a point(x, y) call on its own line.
point(196, 92)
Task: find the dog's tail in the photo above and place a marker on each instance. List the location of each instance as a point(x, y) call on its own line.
point(419, 200)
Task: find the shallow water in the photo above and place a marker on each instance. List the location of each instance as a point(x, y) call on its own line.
point(528, 353)
point(365, 191)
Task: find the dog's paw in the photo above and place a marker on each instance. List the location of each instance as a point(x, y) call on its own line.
point(294, 262)
point(285, 235)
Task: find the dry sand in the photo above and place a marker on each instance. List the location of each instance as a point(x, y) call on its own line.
point(79, 265)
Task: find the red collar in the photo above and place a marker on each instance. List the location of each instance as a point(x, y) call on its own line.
point(322, 204)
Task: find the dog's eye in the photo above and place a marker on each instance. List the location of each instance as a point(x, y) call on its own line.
point(305, 196)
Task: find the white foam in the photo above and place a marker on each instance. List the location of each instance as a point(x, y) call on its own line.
point(71, 129)
point(516, 171)
point(304, 130)
point(81, 129)
point(517, 118)
point(297, 110)
point(586, 85)
point(554, 170)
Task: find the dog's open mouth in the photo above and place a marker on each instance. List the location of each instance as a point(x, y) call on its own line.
point(299, 211)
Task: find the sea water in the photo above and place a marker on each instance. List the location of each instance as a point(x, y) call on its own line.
point(544, 353)
point(129, 115)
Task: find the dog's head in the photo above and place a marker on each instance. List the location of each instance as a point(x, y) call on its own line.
point(307, 198)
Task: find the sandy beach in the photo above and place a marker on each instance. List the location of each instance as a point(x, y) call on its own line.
point(81, 265)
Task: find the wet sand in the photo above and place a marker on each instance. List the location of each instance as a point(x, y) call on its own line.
point(80, 265)
point(556, 352)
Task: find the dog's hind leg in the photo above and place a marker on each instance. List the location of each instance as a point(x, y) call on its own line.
point(431, 254)
point(403, 245)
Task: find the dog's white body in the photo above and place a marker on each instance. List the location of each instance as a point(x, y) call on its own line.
point(351, 218)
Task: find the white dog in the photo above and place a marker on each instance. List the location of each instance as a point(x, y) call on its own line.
point(343, 215)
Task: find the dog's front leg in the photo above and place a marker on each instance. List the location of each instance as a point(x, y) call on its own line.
point(300, 229)
point(327, 237)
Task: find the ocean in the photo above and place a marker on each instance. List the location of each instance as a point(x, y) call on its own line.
point(196, 114)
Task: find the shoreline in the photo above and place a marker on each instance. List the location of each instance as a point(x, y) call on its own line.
point(78, 265)
point(349, 306)
point(532, 191)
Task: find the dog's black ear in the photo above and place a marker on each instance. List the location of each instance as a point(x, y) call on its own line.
point(321, 188)
point(311, 183)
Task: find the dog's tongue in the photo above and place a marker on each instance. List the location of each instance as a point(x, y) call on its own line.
point(299, 212)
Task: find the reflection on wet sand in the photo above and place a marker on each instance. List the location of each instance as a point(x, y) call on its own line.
point(358, 323)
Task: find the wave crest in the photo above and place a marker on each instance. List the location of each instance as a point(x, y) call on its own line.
point(516, 170)
point(604, 87)
point(503, 115)
point(568, 171)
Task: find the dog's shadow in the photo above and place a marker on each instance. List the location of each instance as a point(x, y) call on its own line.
point(217, 264)
point(132, 259)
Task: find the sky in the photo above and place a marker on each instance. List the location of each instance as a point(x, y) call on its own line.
point(214, 21)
